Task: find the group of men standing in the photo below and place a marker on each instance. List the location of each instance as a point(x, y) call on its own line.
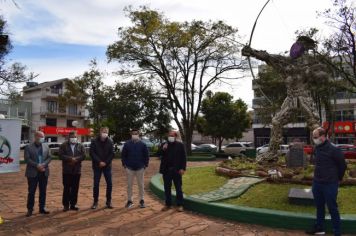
point(134, 157)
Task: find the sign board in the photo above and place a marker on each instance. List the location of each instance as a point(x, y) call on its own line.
point(63, 130)
point(10, 138)
point(342, 126)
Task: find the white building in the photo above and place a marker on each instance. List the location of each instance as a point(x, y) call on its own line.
point(50, 116)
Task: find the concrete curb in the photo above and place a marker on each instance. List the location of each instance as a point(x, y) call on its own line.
point(266, 217)
point(201, 158)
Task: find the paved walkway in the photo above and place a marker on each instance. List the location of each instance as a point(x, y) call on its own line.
point(119, 221)
point(233, 188)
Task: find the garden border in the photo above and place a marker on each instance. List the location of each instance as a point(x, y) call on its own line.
point(266, 217)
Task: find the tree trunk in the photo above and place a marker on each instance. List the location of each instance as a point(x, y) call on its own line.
point(220, 143)
point(187, 139)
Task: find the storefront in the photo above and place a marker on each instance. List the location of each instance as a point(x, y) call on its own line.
point(343, 132)
point(58, 134)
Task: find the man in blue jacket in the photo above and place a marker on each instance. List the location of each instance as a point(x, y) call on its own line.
point(135, 160)
point(330, 168)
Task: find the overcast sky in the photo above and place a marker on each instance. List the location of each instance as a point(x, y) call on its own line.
point(57, 38)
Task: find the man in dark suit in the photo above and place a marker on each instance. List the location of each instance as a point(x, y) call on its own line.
point(102, 153)
point(173, 165)
point(37, 157)
point(72, 154)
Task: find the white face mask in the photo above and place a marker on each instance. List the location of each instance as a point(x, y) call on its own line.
point(171, 139)
point(317, 141)
point(104, 135)
point(41, 140)
point(135, 137)
point(73, 140)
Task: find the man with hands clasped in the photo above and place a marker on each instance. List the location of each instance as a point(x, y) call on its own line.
point(102, 154)
point(37, 157)
point(72, 154)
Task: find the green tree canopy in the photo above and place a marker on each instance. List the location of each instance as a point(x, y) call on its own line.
point(183, 58)
point(10, 75)
point(224, 118)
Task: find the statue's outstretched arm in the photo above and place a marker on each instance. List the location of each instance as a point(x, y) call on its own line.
point(276, 61)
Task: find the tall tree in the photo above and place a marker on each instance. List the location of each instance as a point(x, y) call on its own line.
point(10, 75)
point(135, 104)
point(341, 45)
point(224, 118)
point(184, 58)
point(88, 90)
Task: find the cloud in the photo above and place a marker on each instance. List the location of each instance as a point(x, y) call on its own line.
point(58, 38)
point(95, 22)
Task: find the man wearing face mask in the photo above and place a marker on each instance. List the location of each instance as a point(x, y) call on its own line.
point(102, 154)
point(330, 168)
point(173, 165)
point(72, 154)
point(135, 160)
point(37, 157)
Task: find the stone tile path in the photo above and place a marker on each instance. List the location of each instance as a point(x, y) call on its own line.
point(233, 188)
point(119, 221)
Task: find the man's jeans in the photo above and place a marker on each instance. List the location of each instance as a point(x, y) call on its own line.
point(108, 178)
point(326, 193)
point(168, 177)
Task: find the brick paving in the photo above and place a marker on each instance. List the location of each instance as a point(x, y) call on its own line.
point(118, 221)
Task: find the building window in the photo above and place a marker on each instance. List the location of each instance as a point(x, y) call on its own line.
point(51, 122)
point(56, 89)
point(344, 115)
point(21, 114)
point(70, 123)
point(51, 139)
point(52, 106)
point(72, 109)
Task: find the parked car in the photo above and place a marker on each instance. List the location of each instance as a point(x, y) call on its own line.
point(24, 143)
point(308, 149)
point(283, 149)
point(237, 148)
point(194, 146)
point(262, 149)
point(54, 148)
point(349, 151)
point(205, 148)
point(86, 146)
point(148, 143)
point(119, 146)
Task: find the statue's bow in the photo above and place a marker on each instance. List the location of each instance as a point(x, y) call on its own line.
point(249, 45)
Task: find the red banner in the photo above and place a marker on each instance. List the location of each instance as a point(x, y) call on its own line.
point(63, 130)
point(342, 126)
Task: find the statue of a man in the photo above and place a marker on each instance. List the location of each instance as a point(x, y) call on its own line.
point(297, 70)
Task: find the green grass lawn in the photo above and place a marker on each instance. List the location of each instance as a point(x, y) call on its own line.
point(275, 196)
point(201, 180)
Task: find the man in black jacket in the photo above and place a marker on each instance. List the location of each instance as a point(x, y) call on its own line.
point(330, 168)
point(102, 154)
point(72, 154)
point(173, 165)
